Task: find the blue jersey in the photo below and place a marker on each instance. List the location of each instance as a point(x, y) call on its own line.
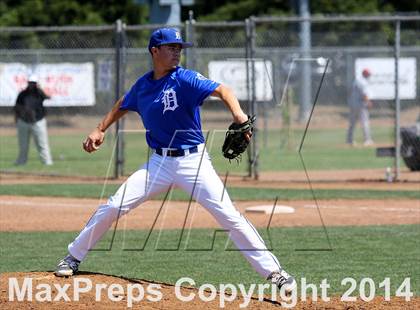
point(170, 107)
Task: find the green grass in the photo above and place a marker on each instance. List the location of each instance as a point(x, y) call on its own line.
point(323, 149)
point(236, 193)
point(370, 251)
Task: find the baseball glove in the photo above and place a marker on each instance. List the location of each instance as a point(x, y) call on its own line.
point(235, 140)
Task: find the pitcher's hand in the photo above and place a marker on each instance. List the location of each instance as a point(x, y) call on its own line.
point(93, 140)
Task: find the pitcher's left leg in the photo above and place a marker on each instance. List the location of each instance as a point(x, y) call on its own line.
point(207, 188)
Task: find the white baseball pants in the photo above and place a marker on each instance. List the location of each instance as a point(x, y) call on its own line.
point(359, 112)
point(39, 131)
point(185, 172)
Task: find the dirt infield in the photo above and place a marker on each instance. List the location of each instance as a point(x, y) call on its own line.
point(156, 296)
point(53, 213)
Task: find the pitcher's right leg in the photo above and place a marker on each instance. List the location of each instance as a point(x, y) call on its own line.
point(151, 179)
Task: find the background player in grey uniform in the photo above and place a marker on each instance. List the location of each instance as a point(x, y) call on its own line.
point(359, 108)
point(30, 120)
point(168, 100)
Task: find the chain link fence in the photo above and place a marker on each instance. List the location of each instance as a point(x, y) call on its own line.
point(339, 47)
point(22, 52)
point(300, 93)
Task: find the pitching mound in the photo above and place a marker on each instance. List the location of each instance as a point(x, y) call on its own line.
point(42, 290)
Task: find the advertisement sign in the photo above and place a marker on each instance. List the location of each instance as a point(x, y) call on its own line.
point(68, 84)
point(233, 74)
point(381, 81)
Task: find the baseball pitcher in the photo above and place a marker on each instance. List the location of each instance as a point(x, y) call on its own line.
point(168, 101)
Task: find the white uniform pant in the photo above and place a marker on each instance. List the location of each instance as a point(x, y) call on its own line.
point(202, 182)
point(359, 112)
point(39, 132)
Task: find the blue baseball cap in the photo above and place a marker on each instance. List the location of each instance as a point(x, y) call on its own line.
point(167, 36)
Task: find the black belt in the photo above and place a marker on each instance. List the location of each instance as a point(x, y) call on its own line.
point(177, 153)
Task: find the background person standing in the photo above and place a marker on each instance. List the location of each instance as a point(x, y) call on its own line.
point(359, 108)
point(30, 120)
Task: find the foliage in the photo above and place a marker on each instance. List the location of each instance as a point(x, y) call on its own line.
point(70, 12)
point(238, 10)
point(94, 12)
point(323, 34)
point(349, 7)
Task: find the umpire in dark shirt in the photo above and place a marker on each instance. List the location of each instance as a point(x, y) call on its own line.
point(30, 120)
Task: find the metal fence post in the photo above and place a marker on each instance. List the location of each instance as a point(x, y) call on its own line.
point(305, 73)
point(248, 91)
point(397, 100)
point(119, 83)
point(189, 34)
point(254, 100)
point(253, 103)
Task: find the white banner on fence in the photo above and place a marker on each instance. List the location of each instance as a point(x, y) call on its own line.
point(233, 74)
point(381, 82)
point(68, 84)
